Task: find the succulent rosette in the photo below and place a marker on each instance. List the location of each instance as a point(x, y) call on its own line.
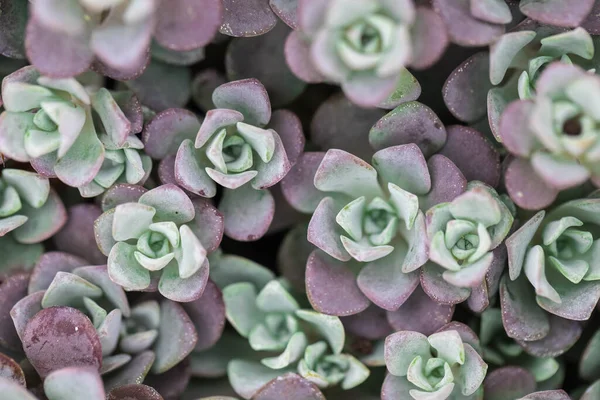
point(462, 236)
point(554, 134)
point(236, 149)
point(155, 237)
point(64, 38)
point(487, 82)
point(273, 322)
point(444, 365)
point(503, 353)
point(54, 124)
point(364, 45)
point(368, 219)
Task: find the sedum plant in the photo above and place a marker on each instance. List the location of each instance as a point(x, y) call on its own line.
point(301, 341)
point(462, 236)
point(555, 132)
point(371, 218)
point(55, 123)
point(364, 45)
point(154, 242)
point(441, 366)
point(235, 149)
point(64, 38)
point(555, 253)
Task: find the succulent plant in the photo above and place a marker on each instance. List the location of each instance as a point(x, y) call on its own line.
point(369, 217)
point(364, 45)
point(462, 235)
point(555, 131)
point(499, 350)
point(236, 150)
point(156, 238)
point(441, 366)
point(273, 322)
point(50, 122)
point(64, 38)
point(555, 253)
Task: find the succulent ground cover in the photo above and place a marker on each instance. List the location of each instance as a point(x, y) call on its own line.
point(300, 199)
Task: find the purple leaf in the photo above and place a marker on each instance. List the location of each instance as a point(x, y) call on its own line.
point(286, 10)
point(133, 372)
point(174, 323)
point(57, 54)
point(429, 38)
point(134, 392)
point(370, 324)
point(473, 154)
point(122, 74)
point(248, 96)
point(162, 86)
point(293, 255)
point(203, 86)
point(171, 384)
point(48, 265)
point(121, 193)
point(187, 24)
point(438, 289)
point(208, 316)
point(73, 338)
point(331, 286)
point(24, 310)
point(207, 224)
point(339, 124)
point(12, 289)
point(465, 91)
point(298, 185)
point(496, 385)
point(268, 63)
point(289, 128)
point(248, 212)
point(565, 13)
point(513, 128)
point(290, 387)
point(447, 182)
point(250, 18)
point(165, 132)
point(522, 318)
point(410, 122)
point(298, 59)
point(174, 288)
point(421, 314)
point(463, 28)
point(562, 336)
point(77, 236)
point(525, 187)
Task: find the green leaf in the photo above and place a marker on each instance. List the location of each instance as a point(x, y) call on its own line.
point(273, 298)
point(329, 326)
point(292, 353)
point(240, 307)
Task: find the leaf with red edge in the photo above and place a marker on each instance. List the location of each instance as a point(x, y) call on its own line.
point(247, 96)
point(521, 381)
point(133, 372)
point(11, 370)
point(331, 286)
point(167, 129)
point(59, 337)
point(77, 236)
point(421, 314)
point(208, 316)
point(438, 289)
point(24, 310)
point(12, 290)
point(121, 193)
point(289, 128)
point(248, 18)
point(187, 24)
point(473, 154)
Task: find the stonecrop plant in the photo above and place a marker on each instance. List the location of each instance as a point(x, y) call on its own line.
point(299, 200)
